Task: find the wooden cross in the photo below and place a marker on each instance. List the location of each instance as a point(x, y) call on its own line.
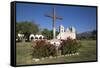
point(54, 17)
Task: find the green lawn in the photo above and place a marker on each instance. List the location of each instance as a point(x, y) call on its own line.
point(87, 53)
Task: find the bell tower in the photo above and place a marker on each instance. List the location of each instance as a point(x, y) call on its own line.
point(61, 29)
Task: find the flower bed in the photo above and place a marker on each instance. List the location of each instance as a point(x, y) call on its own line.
point(45, 49)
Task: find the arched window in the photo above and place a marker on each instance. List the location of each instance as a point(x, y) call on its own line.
point(32, 38)
point(36, 37)
point(40, 37)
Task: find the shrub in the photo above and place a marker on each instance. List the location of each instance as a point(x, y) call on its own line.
point(43, 49)
point(69, 46)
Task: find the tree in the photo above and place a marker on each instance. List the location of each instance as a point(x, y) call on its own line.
point(48, 33)
point(26, 28)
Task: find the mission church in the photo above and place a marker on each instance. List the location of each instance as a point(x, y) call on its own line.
point(66, 33)
point(63, 34)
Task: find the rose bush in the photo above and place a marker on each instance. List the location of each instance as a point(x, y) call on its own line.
point(69, 46)
point(43, 49)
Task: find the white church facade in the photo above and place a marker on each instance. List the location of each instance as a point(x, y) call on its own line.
point(66, 33)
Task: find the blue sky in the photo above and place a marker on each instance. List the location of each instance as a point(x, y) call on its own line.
point(82, 18)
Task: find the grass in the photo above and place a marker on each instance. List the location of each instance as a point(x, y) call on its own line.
point(87, 53)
